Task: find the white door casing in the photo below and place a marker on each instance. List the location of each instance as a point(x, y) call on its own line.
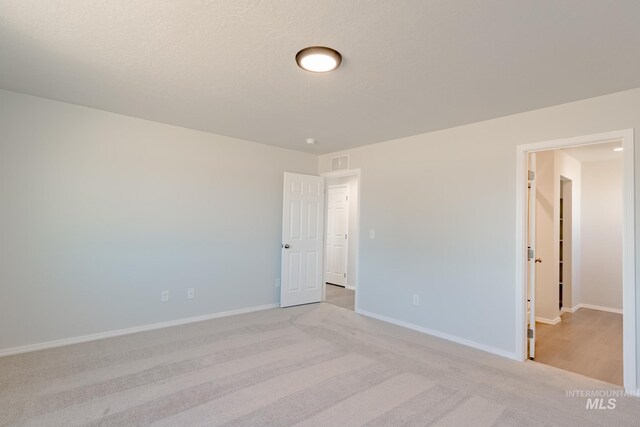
point(336, 249)
point(629, 348)
point(531, 255)
point(302, 239)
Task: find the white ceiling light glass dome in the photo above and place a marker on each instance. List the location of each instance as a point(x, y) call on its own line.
point(318, 59)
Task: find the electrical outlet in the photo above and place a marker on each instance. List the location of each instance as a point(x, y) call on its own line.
point(164, 296)
point(416, 299)
point(277, 283)
point(191, 293)
point(372, 234)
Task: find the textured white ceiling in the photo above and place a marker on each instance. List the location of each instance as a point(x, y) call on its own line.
point(409, 66)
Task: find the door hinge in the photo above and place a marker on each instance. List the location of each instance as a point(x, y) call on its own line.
point(345, 236)
point(347, 198)
point(530, 254)
point(529, 333)
point(345, 275)
point(532, 175)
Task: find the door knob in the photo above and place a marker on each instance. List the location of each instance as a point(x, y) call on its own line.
point(539, 260)
point(286, 246)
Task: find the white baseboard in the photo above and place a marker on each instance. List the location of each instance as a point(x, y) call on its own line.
point(592, 307)
point(127, 331)
point(601, 308)
point(442, 335)
point(570, 309)
point(549, 321)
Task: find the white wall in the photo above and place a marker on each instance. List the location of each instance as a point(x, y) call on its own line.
point(100, 212)
point(443, 207)
point(352, 245)
point(602, 233)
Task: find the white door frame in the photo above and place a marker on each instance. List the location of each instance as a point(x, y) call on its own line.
point(628, 244)
point(531, 229)
point(354, 242)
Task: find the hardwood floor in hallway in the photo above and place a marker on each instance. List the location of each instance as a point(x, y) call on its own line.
point(342, 297)
point(587, 342)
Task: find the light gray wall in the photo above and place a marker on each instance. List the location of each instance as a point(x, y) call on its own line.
point(100, 212)
point(352, 247)
point(443, 207)
point(602, 233)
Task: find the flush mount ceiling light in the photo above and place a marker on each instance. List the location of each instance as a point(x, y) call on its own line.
point(310, 141)
point(318, 59)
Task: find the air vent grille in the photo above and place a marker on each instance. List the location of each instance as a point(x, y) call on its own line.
point(340, 163)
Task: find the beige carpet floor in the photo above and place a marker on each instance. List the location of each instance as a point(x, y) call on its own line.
point(314, 365)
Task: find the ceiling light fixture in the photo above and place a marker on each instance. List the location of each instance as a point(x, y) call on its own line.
point(618, 149)
point(310, 140)
point(318, 59)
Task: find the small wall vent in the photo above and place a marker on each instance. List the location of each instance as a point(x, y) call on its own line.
point(340, 163)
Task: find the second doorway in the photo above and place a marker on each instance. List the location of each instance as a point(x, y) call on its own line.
point(341, 240)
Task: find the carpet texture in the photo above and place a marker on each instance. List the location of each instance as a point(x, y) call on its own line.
point(313, 365)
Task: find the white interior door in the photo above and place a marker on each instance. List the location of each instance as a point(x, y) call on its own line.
point(337, 234)
point(302, 239)
point(531, 255)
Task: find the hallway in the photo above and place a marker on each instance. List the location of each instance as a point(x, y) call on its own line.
point(587, 342)
point(342, 297)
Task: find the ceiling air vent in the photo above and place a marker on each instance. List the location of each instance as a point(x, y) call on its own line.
point(340, 163)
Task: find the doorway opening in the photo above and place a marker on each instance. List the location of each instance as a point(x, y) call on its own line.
point(341, 238)
point(576, 274)
point(309, 258)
